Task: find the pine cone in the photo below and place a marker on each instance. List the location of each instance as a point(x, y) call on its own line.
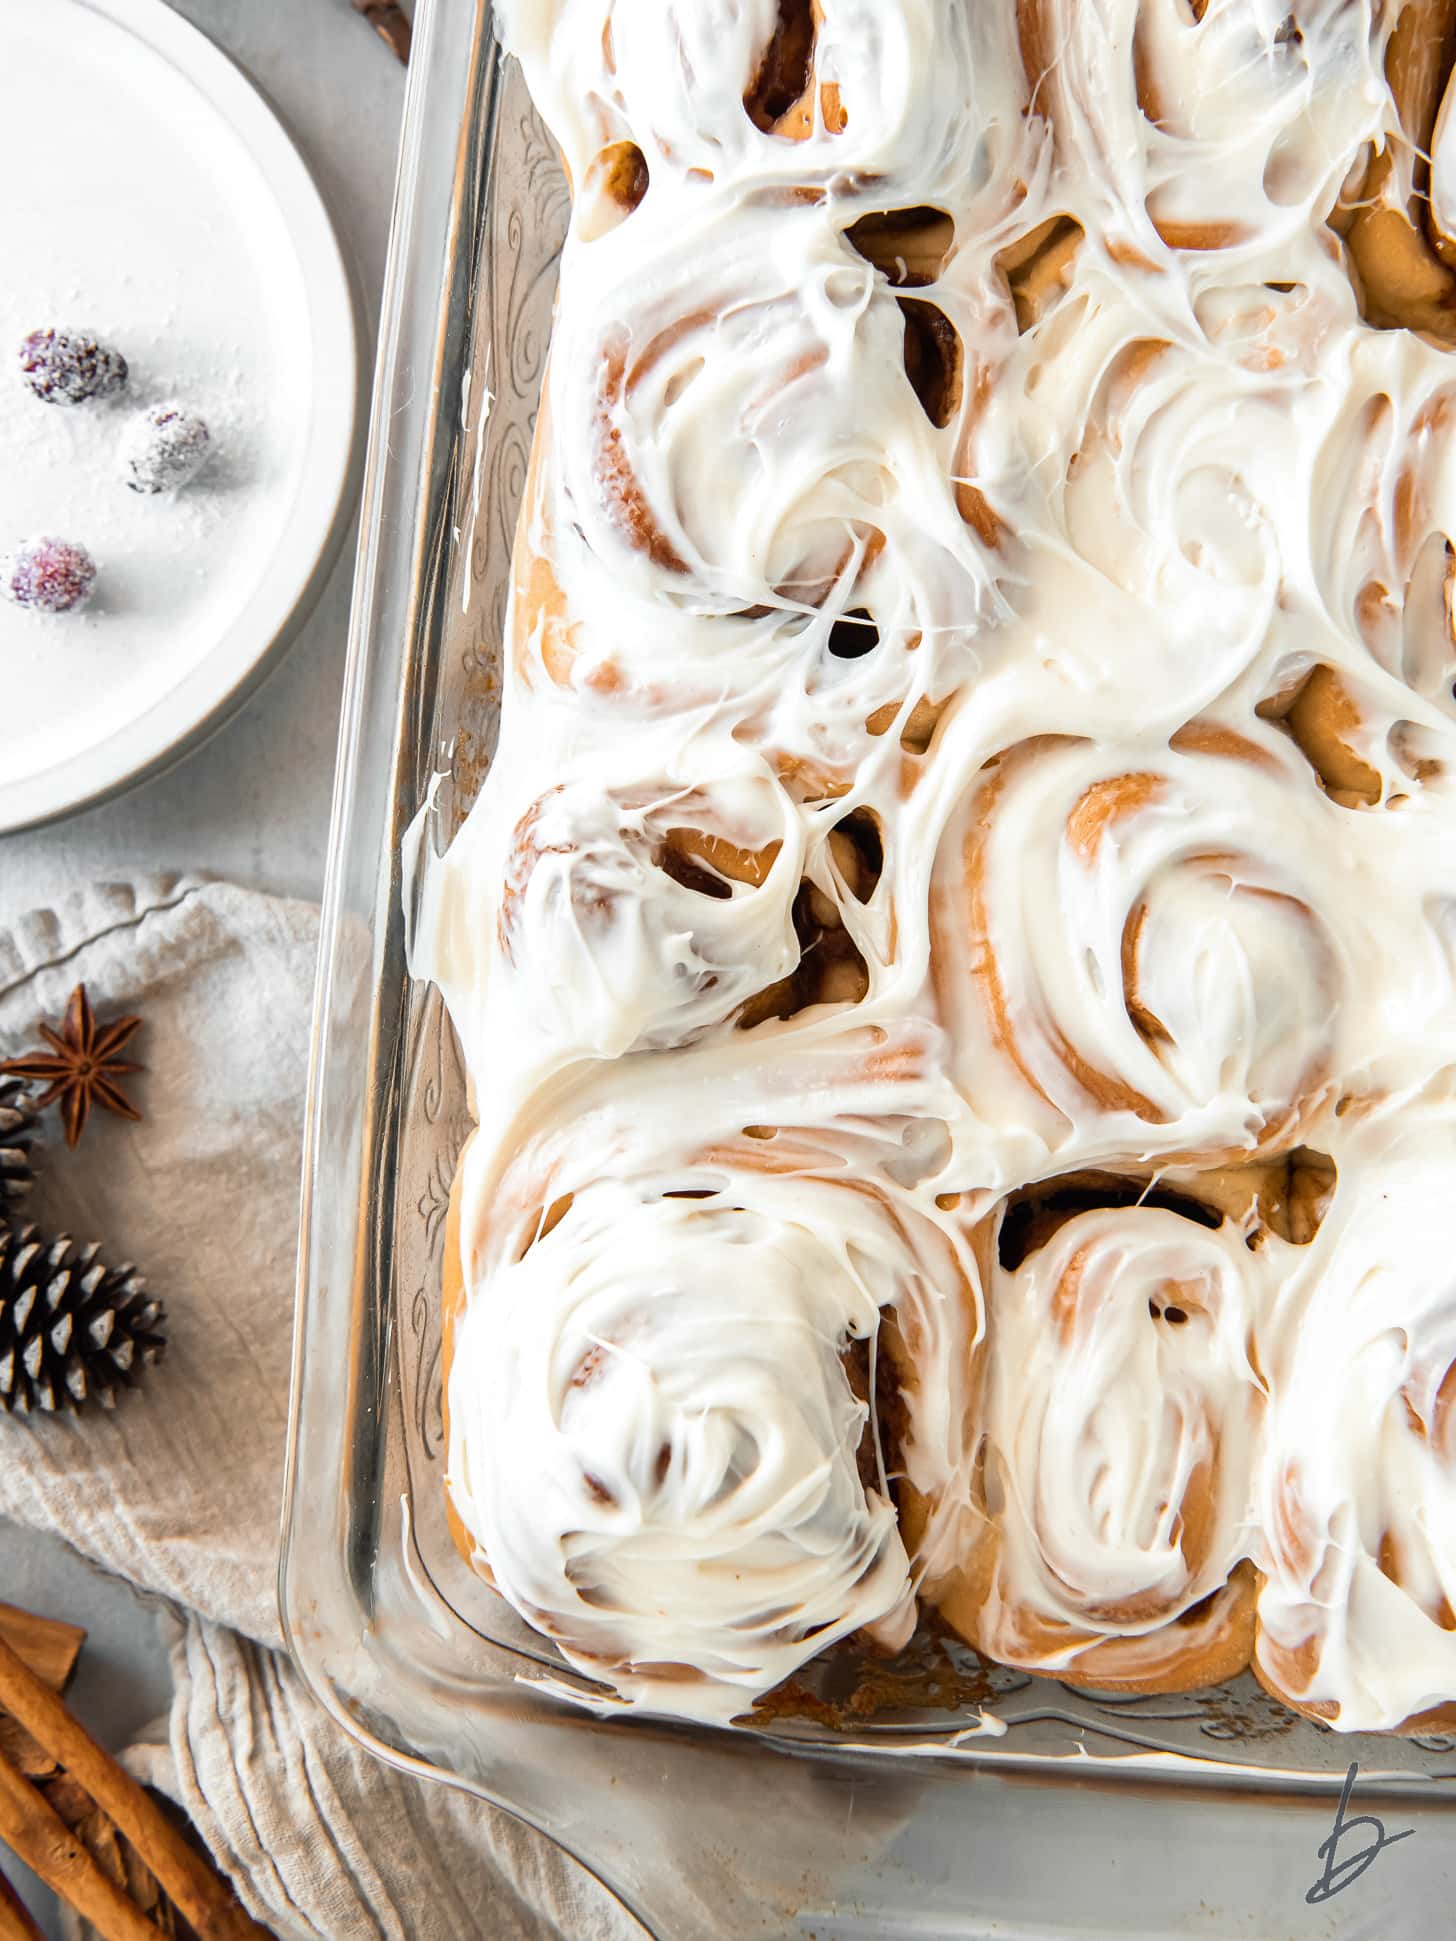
point(17, 1125)
point(72, 1329)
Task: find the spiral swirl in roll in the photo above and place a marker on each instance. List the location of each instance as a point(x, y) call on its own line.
point(815, 465)
point(1165, 517)
point(1122, 957)
point(792, 546)
point(1121, 1421)
point(668, 1360)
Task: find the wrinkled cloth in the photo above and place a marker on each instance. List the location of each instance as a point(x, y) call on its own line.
point(179, 1490)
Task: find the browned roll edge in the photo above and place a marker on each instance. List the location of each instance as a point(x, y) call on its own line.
point(452, 1300)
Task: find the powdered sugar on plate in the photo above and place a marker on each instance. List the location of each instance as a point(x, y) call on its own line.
point(132, 211)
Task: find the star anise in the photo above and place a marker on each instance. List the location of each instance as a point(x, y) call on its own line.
point(82, 1066)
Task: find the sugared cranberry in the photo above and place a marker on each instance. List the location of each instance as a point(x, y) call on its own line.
point(68, 367)
point(163, 449)
point(48, 575)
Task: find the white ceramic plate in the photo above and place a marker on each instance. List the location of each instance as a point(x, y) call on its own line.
point(152, 197)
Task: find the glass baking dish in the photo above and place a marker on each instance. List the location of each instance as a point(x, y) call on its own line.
point(996, 1804)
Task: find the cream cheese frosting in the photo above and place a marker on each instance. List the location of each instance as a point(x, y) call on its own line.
point(1356, 1490)
point(684, 1506)
point(978, 713)
point(1119, 1438)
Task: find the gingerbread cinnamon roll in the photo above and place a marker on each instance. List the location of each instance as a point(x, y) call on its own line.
point(751, 449)
point(753, 469)
point(659, 912)
point(1121, 960)
point(1202, 129)
point(1153, 481)
point(1121, 1419)
point(776, 92)
point(678, 1362)
point(1357, 1608)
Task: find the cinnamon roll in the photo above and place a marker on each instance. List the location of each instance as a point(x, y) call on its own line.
point(761, 512)
point(1357, 1608)
point(809, 92)
point(1121, 1423)
point(1152, 463)
point(1178, 994)
point(624, 919)
point(653, 913)
point(684, 1366)
point(754, 466)
point(1203, 128)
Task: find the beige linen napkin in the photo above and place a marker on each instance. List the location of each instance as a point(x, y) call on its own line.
point(179, 1490)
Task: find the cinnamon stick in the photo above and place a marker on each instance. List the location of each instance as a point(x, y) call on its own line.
point(390, 23)
point(22, 1751)
point(33, 1829)
point(200, 1894)
point(48, 1646)
point(15, 1921)
point(115, 1855)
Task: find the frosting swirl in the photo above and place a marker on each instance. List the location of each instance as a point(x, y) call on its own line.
point(668, 1363)
point(1122, 1422)
point(632, 920)
point(1182, 998)
point(758, 94)
point(1357, 1614)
